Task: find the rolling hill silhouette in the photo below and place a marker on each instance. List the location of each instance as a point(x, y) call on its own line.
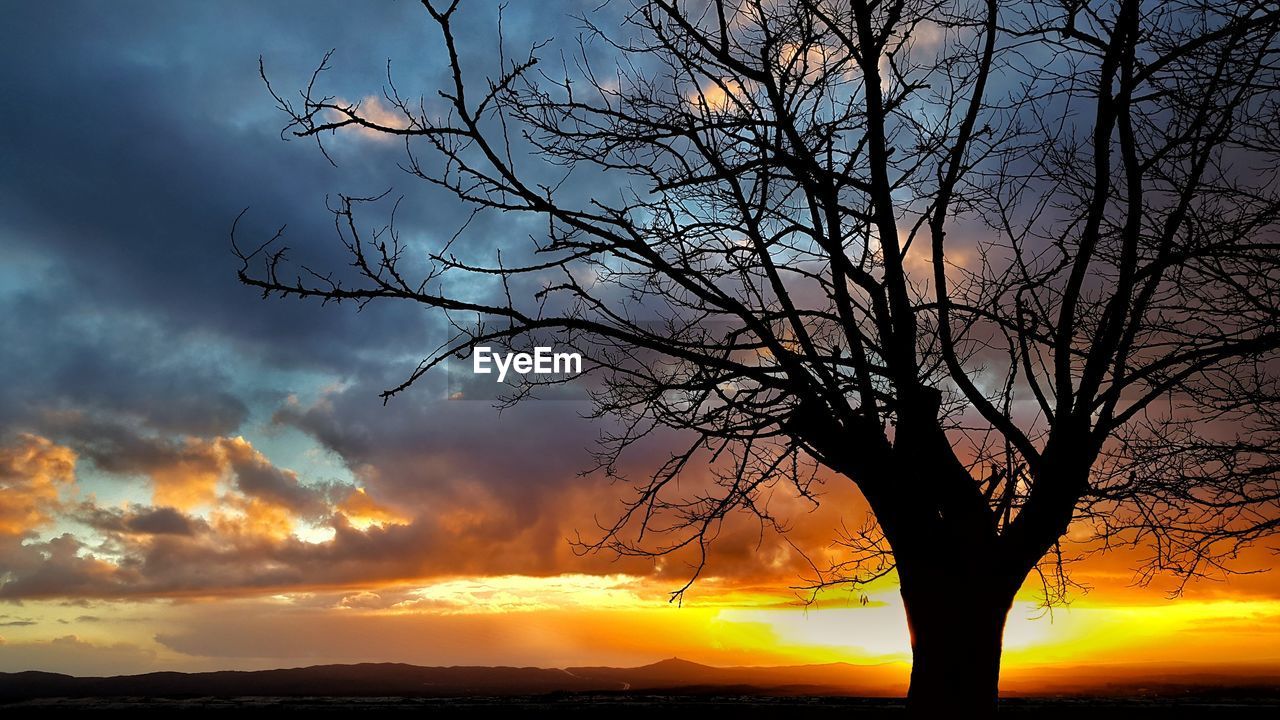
point(667, 677)
point(395, 679)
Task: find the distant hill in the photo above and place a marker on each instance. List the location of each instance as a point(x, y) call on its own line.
point(394, 679)
point(668, 677)
point(829, 679)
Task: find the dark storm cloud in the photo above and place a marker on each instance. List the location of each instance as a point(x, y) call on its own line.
point(144, 130)
point(63, 356)
point(120, 448)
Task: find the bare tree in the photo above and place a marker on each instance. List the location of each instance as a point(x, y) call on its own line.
point(1009, 268)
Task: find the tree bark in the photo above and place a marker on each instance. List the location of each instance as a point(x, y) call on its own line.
point(957, 632)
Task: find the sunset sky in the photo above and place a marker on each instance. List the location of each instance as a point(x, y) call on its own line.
point(192, 478)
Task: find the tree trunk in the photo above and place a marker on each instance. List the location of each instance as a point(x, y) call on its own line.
point(957, 631)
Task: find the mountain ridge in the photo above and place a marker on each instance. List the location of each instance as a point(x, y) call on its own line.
point(668, 676)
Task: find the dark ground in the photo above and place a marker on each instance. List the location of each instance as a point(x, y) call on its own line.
point(597, 705)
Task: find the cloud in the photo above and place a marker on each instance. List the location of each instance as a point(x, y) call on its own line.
point(256, 477)
point(362, 511)
point(262, 536)
point(141, 520)
point(375, 110)
point(35, 475)
point(58, 567)
point(185, 471)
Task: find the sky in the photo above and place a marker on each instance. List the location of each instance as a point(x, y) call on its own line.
point(194, 478)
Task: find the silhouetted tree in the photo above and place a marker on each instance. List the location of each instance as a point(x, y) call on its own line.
point(1008, 267)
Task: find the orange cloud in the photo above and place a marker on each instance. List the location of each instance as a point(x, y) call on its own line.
point(375, 110)
point(191, 473)
point(249, 519)
point(191, 476)
point(718, 96)
point(363, 511)
point(35, 474)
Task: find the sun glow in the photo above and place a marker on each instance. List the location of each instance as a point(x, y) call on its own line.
point(1174, 631)
point(522, 593)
